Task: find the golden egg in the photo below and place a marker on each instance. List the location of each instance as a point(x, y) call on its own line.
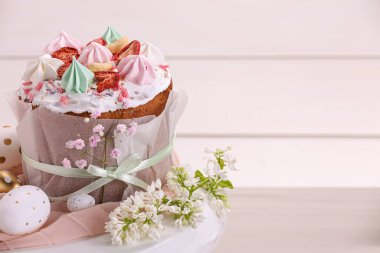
point(8, 181)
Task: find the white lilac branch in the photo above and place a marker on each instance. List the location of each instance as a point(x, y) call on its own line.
point(140, 216)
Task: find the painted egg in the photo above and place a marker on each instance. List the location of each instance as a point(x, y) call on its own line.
point(9, 147)
point(80, 202)
point(23, 210)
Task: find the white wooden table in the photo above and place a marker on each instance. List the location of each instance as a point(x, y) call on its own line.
point(281, 220)
point(303, 220)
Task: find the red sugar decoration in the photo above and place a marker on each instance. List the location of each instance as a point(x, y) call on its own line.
point(64, 100)
point(39, 86)
point(107, 80)
point(27, 83)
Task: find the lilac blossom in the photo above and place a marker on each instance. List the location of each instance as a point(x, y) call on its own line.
point(66, 163)
point(81, 164)
point(115, 153)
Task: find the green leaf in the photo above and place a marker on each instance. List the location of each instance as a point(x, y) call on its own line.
point(225, 184)
point(165, 199)
point(221, 163)
point(199, 174)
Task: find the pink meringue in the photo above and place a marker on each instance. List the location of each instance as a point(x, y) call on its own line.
point(137, 69)
point(63, 40)
point(95, 53)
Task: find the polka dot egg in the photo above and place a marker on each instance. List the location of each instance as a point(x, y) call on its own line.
point(80, 202)
point(9, 147)
point(23, 210)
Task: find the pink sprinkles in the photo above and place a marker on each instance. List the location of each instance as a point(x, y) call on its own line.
point(39, 86)
point(64, 100)
point(27, 83)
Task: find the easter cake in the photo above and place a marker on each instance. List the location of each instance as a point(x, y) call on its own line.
point(96, 104)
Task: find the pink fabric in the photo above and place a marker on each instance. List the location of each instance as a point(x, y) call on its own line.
point(137, 69)
point(62, 226)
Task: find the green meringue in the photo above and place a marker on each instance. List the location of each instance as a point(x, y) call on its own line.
point(77, 78)
point(111, 35)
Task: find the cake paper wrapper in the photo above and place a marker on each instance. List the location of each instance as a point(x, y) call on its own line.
point(43, 134)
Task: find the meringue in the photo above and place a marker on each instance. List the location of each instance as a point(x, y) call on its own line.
point(95, 53)
point(111, 35)
point(44, 68)
point(152, 53)
point(77, 78)
point(137, 69)
point(63, 40)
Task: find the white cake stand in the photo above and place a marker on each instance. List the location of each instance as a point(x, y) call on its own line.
point(200, 240)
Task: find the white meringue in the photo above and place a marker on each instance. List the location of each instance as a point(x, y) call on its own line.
point(44, 68)
point(151, 52)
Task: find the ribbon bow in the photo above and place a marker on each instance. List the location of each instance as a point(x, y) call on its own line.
point(128, 166)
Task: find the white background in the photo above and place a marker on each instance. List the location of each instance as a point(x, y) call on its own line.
point(293, 86)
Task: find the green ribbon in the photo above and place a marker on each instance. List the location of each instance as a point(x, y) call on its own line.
point(127, 166)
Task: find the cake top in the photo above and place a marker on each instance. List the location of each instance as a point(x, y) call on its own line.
point(106, 74)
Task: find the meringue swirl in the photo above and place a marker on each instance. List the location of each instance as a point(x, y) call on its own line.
point(95, 53)
point(137, 69)
point(44, 68)
point(152, 53)
point(63, 40)
point(111, 35)
point(77, 78)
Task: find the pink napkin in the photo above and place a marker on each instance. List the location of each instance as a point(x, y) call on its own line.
point(62, 226)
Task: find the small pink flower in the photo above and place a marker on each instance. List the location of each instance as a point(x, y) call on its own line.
point(132, 129)
point(66, 163)
point(64, 100)
point(121, 128)
point(93, 140)
point(51, 81)
point(81, 164)
point(115, 153)
point(70, 144)
point(95, 114)
point(39, 86)
point(79, 144)
point(98, 128)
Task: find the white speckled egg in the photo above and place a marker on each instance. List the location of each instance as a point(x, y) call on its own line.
point(23, 210)
point(80, 202)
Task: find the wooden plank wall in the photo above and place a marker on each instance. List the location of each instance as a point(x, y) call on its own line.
point(293, 85)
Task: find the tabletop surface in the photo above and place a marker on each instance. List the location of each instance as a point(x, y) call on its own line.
point(303, 220)
point(293, 220)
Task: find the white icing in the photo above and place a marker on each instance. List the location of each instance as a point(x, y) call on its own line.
point(49, 96)
point(44, 68)
point(151, 52)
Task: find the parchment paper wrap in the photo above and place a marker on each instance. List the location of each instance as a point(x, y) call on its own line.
point(43, 135)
